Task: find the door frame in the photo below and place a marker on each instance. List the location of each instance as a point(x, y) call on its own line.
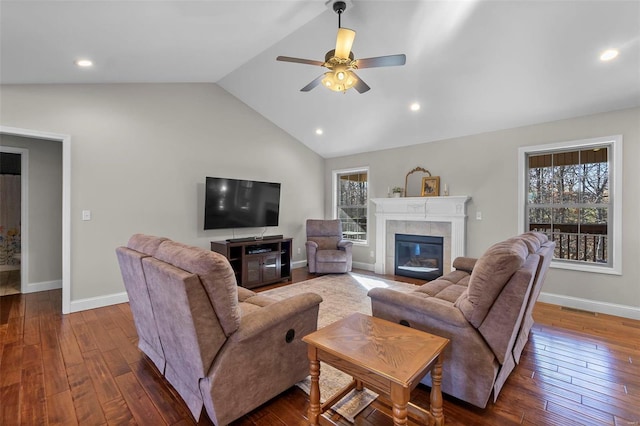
point(66, 207)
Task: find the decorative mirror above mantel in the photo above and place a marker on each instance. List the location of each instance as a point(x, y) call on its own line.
point(413, 182)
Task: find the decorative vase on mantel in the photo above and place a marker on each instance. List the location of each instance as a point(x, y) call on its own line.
point(396, 192)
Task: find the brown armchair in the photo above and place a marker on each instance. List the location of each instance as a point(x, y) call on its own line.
point(481, 307)
point(327, 251)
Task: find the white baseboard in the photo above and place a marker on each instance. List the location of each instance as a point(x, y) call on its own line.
point(357, 265)
point(625, 311)
point(365, 266)
point(98, 302)
point(42, 286)
point(299, 264)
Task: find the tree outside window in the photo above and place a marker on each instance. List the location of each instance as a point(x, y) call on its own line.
point(569, 200)
point(352, 197)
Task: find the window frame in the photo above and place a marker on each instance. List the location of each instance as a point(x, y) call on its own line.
point(334, 198)
point(614, 144)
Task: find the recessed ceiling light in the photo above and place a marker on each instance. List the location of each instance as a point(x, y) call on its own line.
point(319, 131)
point(415, 106)
point(609, 54)
point(84, 63)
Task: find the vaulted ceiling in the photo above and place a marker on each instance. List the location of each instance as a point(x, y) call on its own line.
point(473, 66)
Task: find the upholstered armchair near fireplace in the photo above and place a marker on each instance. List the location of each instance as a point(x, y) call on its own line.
point(327, 251)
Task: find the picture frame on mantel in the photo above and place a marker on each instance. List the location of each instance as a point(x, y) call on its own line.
point(431, 186)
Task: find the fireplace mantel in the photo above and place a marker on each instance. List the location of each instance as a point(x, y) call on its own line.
point(452, 210)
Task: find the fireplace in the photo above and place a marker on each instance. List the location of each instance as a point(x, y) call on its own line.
point(419, 256)
point(437, 216)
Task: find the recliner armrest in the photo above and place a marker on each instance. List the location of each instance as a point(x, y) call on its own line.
point(465, 263)
point(345, 245)
point(259, 321)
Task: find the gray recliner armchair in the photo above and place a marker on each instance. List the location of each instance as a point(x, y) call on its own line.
point(327, 251)
point(223, 347)
point(483, 307)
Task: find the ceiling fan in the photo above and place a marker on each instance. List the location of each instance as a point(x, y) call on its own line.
point(342, 63)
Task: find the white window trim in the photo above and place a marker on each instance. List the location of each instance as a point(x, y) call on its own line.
point(334, 199)
point(616, 184)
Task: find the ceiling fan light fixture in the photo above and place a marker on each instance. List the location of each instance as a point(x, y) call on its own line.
point(341, 61)
point(339, 81)
point(344, 42)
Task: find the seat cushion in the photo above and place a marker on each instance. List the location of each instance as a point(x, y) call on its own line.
point(442, 289)
point(327, 256)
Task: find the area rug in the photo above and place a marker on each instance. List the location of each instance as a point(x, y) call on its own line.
point(341, 295)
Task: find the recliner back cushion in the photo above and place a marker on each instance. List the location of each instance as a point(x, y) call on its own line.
point(189, 330)
point(533, 240)
point(146, 244)
point(324, 228)
point(490, 274)
point(130, 262)
point(216, 276)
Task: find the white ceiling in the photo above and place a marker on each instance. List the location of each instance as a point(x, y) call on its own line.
point(474, 66)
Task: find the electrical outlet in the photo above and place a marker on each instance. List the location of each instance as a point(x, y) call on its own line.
point(299, 250)
point(478, 215)
point(372, 253)
point(86, 214)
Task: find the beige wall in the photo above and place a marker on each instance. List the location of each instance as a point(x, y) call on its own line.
point(485, 167)
point(139, 157)
point(44, 243)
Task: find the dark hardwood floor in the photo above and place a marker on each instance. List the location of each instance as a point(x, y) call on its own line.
point(84, 368)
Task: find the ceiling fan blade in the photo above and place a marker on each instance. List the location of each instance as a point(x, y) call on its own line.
point(360, 85)
point(313, 84)
point(344, 42)
point(299, 60)
point(382, 61)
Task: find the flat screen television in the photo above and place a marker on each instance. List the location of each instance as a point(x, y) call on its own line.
point(234, 203)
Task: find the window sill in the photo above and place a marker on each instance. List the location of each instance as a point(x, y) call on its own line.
point(359, 243)
point(582, 267)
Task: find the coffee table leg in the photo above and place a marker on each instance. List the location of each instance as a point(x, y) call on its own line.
point(314, 392)
point(436, 392)
point(400, 400)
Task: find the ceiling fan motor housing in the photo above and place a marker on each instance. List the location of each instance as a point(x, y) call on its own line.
point(339, 7)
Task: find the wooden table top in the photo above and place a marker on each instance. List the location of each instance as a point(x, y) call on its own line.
point(399, 353)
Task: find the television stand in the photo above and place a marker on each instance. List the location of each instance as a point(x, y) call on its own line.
point(257, 262)
point(243, 240)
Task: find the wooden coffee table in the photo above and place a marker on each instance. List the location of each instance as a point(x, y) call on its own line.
point(388, 358)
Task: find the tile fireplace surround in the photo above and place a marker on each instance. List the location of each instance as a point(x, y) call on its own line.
point(436, 216)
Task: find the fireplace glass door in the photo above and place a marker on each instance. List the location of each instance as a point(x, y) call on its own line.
point(418, 256)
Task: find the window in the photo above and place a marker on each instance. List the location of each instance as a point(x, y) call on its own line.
point(351, 197)
point(570, 191)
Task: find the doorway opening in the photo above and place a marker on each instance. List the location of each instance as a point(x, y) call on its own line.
point(10, 222)
point(66, 210)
